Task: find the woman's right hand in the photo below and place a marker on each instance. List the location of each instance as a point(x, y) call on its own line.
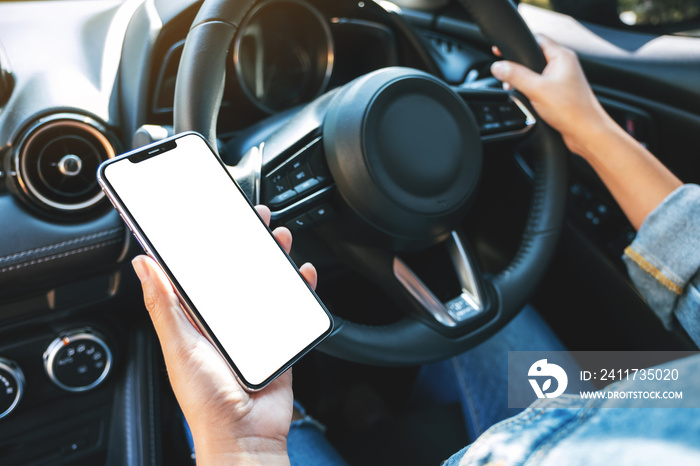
point(560, 95)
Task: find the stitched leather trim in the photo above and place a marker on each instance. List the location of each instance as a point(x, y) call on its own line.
point(74, 241)
point(60, 255)
point(653, 271)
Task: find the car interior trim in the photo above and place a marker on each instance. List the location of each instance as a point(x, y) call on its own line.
point(29, 256)
point(465, 306)
point(422, 294)
point(75, 122)
point(465, 271)
point(247, 173)
point(40, 260)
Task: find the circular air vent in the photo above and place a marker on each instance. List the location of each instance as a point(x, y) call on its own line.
point(56, 162)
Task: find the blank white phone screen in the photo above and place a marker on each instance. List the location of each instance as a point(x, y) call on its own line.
point(229, 266)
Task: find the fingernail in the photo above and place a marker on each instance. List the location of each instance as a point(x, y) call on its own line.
point(500, 69)
point(140, 268)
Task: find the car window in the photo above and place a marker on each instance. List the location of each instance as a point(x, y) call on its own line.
point(661, 16)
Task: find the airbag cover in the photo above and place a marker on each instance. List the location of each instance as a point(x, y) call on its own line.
point(404, 150)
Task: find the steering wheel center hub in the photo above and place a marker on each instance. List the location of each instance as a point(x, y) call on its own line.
point(404, 150)
point(414, 144)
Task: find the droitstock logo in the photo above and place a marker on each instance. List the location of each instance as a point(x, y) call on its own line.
point(546, 371)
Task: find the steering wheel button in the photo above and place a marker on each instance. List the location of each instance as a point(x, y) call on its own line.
point(282, 198)
point(300, 222)
point(487, 116)
point(300, 174)
point(306, 185)
point(511, 116)
point(460, 310)
point(490, 128)
point(322, 212)
point(276, 184)
point(514, 124)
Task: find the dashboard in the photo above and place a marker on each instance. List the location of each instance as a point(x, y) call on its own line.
point(82, 81)
point(322, 47)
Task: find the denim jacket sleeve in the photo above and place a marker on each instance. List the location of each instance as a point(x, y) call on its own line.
point(664, 259)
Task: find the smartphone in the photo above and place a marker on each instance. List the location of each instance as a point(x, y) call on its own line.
point(239, 287)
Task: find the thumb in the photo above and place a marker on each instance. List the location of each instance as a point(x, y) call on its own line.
point(170, 322)
point(518, 76)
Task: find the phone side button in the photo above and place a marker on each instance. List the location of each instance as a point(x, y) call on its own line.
point(134, 234)
point(298, 223)
point(143, 246)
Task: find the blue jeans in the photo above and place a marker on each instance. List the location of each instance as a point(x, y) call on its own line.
point(476, 379)
point(551, 431)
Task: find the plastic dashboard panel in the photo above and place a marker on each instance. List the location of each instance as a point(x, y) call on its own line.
point(36, 250)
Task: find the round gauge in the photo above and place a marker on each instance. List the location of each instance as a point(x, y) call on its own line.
point(283, 54)
point(77, 361)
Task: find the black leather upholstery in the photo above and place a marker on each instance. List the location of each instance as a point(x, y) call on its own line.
point(35, 251)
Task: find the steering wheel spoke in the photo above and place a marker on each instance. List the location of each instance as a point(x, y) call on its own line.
point(465, 304)
point(501, 115)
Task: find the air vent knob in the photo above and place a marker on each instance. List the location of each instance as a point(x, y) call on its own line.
point(70, 165)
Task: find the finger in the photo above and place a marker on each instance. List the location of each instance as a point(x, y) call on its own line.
point(518, 76)
point(309, 273)
point(550, 48)
point(284, 237)
point(264, 212)
point(162, 303)
point(496, 51)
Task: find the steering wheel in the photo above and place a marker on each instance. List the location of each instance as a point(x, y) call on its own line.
point(397, 155)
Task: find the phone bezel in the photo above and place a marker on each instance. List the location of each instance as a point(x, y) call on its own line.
point(160, 148)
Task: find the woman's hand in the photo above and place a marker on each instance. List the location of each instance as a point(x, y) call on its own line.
point(560, 95)
point(229, 425)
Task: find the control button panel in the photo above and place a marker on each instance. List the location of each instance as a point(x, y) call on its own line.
point(302, 174)
point(77, 361)
point(11, 386)
point(313, 216)
point(502, 117)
